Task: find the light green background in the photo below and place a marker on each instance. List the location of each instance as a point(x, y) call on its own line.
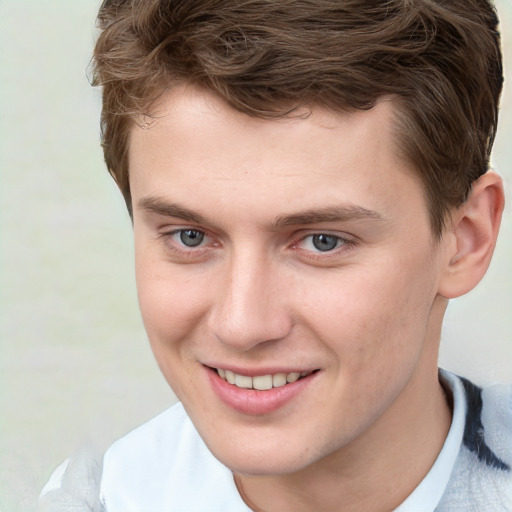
point(74, 362)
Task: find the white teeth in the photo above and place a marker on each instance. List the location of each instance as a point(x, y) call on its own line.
point(278, 380)
point(260, 382)
point(292, 377)
point(242, 381)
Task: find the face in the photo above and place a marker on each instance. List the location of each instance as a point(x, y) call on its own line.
point(287, 276)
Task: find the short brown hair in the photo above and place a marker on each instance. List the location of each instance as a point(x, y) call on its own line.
point(440, 59)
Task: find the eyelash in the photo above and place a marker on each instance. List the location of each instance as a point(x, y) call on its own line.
point(345, 244)
point(180, 249)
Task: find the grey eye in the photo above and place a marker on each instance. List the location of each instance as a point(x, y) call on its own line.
point(191, 237)
point(325, 242)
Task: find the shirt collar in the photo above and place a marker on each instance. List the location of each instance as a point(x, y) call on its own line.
point(430, 490)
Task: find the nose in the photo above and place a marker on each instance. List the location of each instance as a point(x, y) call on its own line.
point(250, 307)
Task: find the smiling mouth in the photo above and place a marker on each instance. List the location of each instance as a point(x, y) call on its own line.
point(261, 382)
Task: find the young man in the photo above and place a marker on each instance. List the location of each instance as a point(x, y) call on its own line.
point(309, 186)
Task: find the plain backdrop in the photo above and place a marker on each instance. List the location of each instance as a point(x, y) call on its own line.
point(75, 366)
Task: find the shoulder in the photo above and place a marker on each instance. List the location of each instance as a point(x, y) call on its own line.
point(482, 476)
point(145, 443)
point(488, 428)
point(74, 485)
point(165, 465)
point(161, 465)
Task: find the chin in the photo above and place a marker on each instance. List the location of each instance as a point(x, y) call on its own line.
point(258, 467)
point(256, 460)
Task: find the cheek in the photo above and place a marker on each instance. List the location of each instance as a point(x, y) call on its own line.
point(171, 313)
point(372, 316)
point(374, 324)
point(171, 302)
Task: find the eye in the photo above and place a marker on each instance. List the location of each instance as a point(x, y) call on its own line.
point(322, 242)
point(187, 245)
point(325, 242)
point(191, 237)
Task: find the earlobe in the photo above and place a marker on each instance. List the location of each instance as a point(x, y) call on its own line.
point(475, 227)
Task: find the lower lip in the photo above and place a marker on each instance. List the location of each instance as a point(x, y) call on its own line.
point(255, 402)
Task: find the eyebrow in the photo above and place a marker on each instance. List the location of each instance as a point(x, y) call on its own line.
point(342, 213)
point(338, 213)
point(162, 207)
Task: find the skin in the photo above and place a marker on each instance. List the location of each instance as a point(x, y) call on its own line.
point(257, 294)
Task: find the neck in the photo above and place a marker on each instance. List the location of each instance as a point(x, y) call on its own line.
point(378, 470)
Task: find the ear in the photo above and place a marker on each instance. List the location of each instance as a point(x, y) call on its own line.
point(474, 229)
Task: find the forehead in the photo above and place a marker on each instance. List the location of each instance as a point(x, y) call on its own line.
point(198, 146)
point(188, 110)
